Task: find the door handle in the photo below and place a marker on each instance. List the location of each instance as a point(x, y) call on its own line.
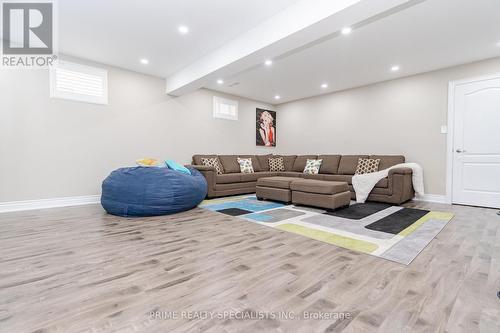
point(460, 151)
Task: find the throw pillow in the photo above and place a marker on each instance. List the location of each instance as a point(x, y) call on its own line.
point(367, 165)
point(276, 164)
point(245, 165)
point(213, 162)
point(312, 167)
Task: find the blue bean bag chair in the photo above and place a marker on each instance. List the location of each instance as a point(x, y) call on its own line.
point(143, 191)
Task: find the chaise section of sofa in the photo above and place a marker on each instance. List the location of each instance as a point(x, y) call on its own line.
point(394, 189)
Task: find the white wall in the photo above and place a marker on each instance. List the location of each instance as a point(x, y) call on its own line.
point(402, 116)
point(53, 148)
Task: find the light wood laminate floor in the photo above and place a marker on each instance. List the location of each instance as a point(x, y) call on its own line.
point(77, 269)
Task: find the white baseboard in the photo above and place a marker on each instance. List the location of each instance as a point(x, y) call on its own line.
point(437, 198)
point(15, 206)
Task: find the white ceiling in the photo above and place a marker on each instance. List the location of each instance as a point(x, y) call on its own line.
point(428, 36)
point(419, 35)
point(121, 32)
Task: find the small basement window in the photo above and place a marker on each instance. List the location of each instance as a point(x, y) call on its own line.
point(225, 108)
point(79, 83)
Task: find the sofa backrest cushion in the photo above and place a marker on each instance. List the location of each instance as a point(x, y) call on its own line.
point(255, 162)
point(197, 158)
point(348, 164)
point(300, 162)
point(230, 163)
point(330, 164)
point(264, 161)
point(386, 161)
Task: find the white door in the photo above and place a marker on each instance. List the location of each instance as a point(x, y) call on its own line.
point(476, 143)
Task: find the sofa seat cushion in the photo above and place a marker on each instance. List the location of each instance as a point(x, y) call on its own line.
point(276, 182)
point(319, 186)
point(339, 178)
point(291, 174)
point(383, 183)
point(348, 164)
point(235, 186)
point(330, 164)
point(228, 178)
point(252, 177)
point(317, 176)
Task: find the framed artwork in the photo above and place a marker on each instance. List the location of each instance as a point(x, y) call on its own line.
point(265, 128)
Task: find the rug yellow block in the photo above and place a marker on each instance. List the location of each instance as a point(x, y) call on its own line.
point(327, 237)
point(445, 216)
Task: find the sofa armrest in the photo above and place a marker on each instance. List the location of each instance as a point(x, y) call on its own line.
point(401, 184)
point(209, 173)
point(400, 171)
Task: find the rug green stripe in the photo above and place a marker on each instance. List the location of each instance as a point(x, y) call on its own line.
point(327, 237)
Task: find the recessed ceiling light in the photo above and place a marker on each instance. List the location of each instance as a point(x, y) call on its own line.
point(144, 61)
point(183, 29)
point(324, 85)
point(277, 97)
point(220, 81)
point(395, 68)
point(268, 62)
point(346, 30)
point(498, 44)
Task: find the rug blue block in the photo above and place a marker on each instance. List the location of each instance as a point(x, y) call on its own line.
point(142, 191)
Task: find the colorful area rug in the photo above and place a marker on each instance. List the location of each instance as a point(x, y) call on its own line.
point(391, 232)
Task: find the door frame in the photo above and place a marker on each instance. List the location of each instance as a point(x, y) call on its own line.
point(452, 85)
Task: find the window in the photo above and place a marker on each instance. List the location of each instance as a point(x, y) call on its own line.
point(225, 108)
point(79, 83)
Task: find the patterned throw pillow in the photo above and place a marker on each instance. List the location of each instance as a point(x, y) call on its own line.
point(276, 164)
point(245, 165)
point(312, 167)
point(213, 162)
point(367, 165)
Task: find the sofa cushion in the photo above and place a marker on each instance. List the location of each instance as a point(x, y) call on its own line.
point(300, 162)
point(348, 164)
point(319, 186)
point(291, 174)
point(386, 161)
point(316, 176)
point(230, 163)
point(252, 177)
point(339, 178)
point(197, 158)
point(330, 164)
point(264, 161)
point(228, 178)
point(276, 182)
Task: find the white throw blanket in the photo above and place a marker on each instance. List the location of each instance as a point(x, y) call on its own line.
point(364, 184)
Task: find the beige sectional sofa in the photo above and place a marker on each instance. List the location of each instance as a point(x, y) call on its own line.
point(395, 189)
